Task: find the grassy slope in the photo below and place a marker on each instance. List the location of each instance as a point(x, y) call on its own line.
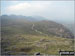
point(31, 44)
point(18, 37)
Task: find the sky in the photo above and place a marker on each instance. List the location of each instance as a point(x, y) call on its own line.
point(53, 10)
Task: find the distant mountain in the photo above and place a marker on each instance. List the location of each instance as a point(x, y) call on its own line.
point(30, 18)
point(26, 35)
point(39, 18)
point(33, 25)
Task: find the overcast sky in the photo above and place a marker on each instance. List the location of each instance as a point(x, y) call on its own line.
point(53, 10)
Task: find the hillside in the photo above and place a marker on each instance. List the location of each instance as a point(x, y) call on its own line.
point(19, 34)
point(25, 25)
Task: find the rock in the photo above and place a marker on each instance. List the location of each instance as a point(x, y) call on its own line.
point(38, 53)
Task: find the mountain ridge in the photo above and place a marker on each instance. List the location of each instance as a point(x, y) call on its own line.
point(44, 26)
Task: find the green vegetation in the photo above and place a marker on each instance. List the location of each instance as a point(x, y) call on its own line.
point(31, 44)
point(20, 36)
